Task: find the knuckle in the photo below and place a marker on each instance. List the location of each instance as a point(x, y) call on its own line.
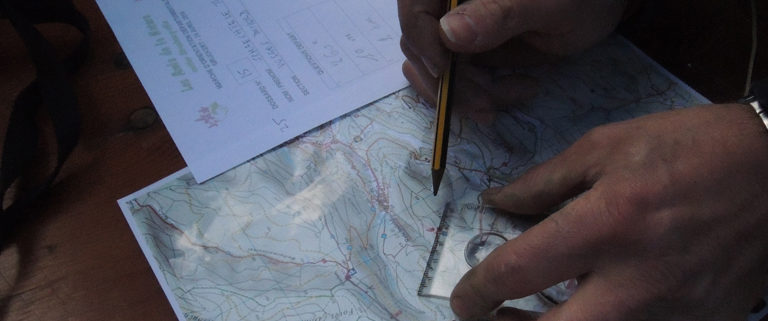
point(503, 9)
point(623, 212)
point(408, 29)
point(410, 19)
point(493, 19)
point(599, 136)
point(511, 265)
point(407, 49)
point(491, 7)
point(633, 201)
point(404, 44)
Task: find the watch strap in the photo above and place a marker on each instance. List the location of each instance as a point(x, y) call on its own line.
point(758, 99)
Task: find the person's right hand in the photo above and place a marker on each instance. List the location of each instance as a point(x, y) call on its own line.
point(497, 33)
point(665, 217)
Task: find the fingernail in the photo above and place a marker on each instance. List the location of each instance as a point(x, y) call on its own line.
point(459, 28)
point(431, 67)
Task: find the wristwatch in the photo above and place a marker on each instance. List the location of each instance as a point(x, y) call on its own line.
point(758, 99)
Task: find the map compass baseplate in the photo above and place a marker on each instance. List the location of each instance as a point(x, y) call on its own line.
point(464, 237)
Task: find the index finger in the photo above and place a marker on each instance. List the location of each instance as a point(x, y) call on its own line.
point(421, 31)
point(560, 247)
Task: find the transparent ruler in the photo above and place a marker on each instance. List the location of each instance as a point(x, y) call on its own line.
point(466, 235)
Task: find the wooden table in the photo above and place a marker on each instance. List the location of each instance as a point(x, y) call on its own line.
point(76, 259)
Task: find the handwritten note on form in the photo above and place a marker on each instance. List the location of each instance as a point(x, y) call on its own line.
point(234, 78)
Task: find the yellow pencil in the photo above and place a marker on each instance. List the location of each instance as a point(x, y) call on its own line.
point(443, 121)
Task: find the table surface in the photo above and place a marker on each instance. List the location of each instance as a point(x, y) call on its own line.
point(76, 258)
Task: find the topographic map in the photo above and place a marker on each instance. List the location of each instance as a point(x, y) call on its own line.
point(338, 223)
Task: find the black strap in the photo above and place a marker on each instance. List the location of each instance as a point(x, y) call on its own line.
point(51, 92)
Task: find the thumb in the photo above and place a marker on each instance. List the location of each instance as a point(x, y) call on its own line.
point(480, 25)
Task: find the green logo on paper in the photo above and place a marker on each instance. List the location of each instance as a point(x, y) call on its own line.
point(212, 115)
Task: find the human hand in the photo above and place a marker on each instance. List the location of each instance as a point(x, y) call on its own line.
point(670, 223)
point(497, 33)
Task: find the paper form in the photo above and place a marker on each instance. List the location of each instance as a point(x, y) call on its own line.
point(233, 78)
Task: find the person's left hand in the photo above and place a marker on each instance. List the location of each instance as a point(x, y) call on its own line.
point(669, 222)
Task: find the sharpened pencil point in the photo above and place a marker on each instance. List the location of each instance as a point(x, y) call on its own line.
point(437, 176)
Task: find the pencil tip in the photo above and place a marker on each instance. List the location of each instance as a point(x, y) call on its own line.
point(437, 176)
